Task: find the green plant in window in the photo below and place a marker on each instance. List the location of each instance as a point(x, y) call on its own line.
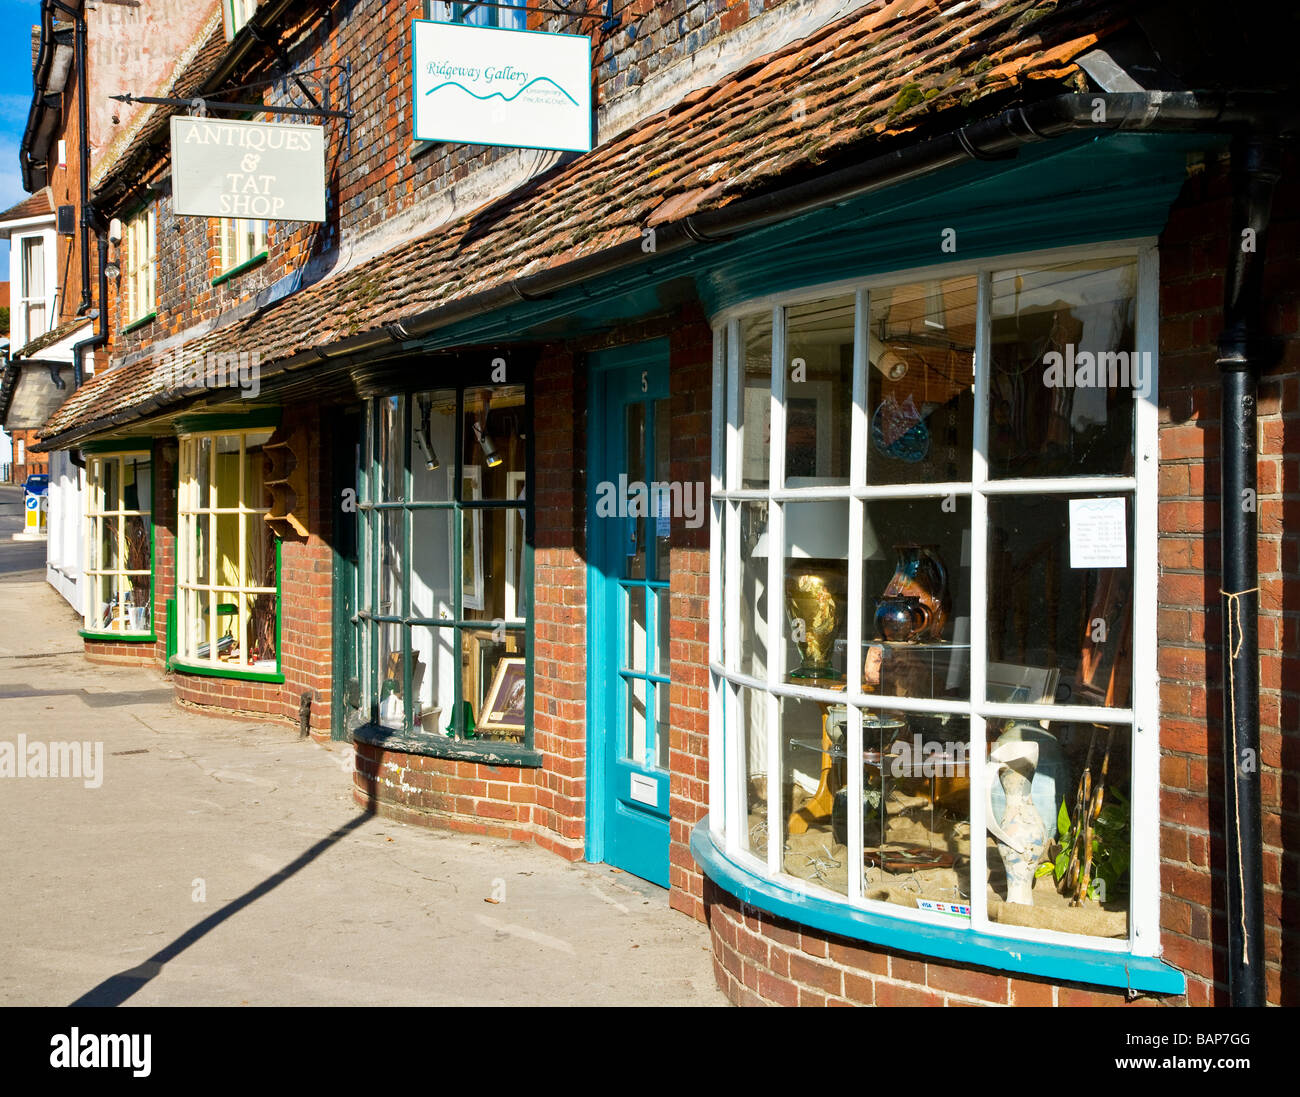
point(1110, 850)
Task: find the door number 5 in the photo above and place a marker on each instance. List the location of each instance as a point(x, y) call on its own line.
point(645, 384)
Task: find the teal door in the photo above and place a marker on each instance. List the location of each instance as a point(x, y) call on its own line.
point(629, 519)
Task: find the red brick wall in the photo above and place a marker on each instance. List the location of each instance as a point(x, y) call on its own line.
point(1193, 253)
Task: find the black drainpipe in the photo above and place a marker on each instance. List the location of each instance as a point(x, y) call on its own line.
point(100, 338)
point(83, 155)
point(1256, 168)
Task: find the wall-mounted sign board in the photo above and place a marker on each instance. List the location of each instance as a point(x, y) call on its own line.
point(485, 86)
point(265, 171)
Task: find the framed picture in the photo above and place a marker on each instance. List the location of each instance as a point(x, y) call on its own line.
point(515, 482)
point(504, 705)
point(471, 575)
point(1012, 684)
point(808, 428)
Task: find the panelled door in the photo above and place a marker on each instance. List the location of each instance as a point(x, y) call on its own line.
point(630, 522)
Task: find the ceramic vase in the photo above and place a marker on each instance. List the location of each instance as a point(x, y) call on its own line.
point(920, 574)
point(812, 598)
point(1020, 834)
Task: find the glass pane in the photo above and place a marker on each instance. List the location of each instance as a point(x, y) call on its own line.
point(482, 586)
point(1060, 599)
point(259, 553)
point(916, 810)
point(392, 480)
point(634, 653)
point(106, 600)
point(230, 646)
point(916, 597)
point(811, 774)
point(516, 575)
point(137, 541)
point(1065, 370)
point(255, 468)
point(663, 724)
point(816, 590)
point(392, 681)
point(756, 408)
point(433, 445)
point(108, 544)
point(495, 435)
point(226, 471)
point(634, 525)
point(193, 625)
point(495, 682)
point(137, 493)
point(111, 484)
point(201, 547)
point(1060, 796)
point(753, 589)
point(203, 473)
point(259, 620)
point(431, 552)
point(433, 678)
point(676, 501)
point(751, 712)
point(819, 392)
point(635, 700)
point(663, 631)
point(392, 563)
point(920, 384)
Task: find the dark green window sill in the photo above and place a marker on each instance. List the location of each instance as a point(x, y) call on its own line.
point(206, 671)
point(147, 318)
point(483, 751)
point(118, 637)
point(247, 264)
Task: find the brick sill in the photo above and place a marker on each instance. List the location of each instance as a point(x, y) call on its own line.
point(485, 752)
point(118, 637)
point(949, 943)
point(204, 670)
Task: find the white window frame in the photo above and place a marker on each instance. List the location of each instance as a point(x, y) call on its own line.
point(236, 13)
point(241, 241)
point(188, 511)
point(98, 510)
point(727, 794)
point(141, 269)
point(30, 300)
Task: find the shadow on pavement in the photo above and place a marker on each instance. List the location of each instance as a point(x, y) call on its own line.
point(116, 989)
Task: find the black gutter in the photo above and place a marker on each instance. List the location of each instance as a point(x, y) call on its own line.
point(44, 56)
point(1256, 164)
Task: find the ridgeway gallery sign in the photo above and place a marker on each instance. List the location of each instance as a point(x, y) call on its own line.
point(260, 170)
point(485, 86)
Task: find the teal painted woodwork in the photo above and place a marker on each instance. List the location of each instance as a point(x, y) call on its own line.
point(627, 593)
point(958, 943)
point(1075, 190)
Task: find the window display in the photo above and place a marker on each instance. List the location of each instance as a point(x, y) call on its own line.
point(446, 563)
point(936, 716)
point(119, 549)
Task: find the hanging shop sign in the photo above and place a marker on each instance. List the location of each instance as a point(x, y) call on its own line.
point(485, 86)
point(261, 170)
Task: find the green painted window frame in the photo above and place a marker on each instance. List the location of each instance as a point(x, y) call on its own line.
point(194, 429)
point(370, 524)
point(118, 453)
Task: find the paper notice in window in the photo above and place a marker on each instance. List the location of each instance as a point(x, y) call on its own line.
point(1098, 533)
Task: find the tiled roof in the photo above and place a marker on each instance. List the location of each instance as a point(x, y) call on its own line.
point(34, 205)
point(51, 337)
point(848, 90)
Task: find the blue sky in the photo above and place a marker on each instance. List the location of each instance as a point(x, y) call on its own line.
point(16, 20)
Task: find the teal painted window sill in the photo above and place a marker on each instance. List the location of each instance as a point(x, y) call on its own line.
point(147, 318)
point(483, 751)
point(118, 637)
point(953, 944)
point(204, 670)
point(238, 269)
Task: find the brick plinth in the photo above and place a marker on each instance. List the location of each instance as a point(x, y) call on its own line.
point(115, 653)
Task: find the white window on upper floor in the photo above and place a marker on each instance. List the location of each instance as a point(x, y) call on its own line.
point(32, 298)
point(141, 270)
point(241, 242)
point(501, 14)
point(237, 13)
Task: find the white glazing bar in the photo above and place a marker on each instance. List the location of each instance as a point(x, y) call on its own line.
point(1058, 485)
point(853, 668)
point(979, 607)
point(718, 754)
point(735, 406)
point(737, 806)
point(853, 752)
point(1144, 785)
point(775, 600)
point(1086, 714)
point(729, 656)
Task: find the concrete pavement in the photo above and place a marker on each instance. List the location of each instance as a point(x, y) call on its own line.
point(223, 862)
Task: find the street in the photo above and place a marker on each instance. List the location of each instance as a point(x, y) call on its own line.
point(201, 860)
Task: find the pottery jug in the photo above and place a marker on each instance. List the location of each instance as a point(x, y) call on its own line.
point(920, 574)
point(901, 619)
point(1020, 833)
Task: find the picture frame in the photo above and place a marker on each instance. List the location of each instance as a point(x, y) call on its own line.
point(808, 427)
point(505, 706)
point(515, 490)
